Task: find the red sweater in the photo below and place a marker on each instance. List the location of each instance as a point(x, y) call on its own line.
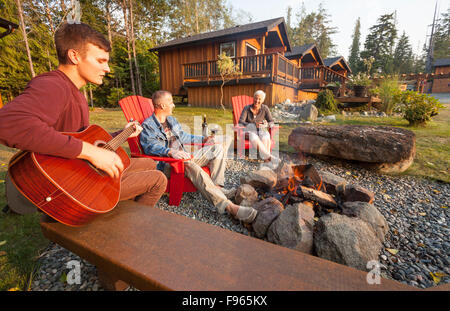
point(34, 120)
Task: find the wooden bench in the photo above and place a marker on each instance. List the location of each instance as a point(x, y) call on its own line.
point(150, 249)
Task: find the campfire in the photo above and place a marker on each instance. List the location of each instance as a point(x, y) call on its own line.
point(306, 186)
point(310, 211)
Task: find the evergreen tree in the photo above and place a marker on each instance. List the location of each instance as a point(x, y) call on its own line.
point(190, 17)
point(380, 43)
point(289, 21)
point(403, 56)
point(314, 28)
point(442, 38)
point(353, 59)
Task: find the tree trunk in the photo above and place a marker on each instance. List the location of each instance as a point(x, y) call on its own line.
point(25, 38)
point(49, 61)
point(196, 18)
point(49, 17)
point(133, 40)
point(221, 93)
point(108, 23)
point(85, 93)
point(90, 96)
point(124, 8)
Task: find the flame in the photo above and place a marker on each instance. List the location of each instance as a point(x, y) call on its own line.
point(291, 184)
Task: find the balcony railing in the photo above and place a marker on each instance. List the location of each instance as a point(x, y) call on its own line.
point(274, 66)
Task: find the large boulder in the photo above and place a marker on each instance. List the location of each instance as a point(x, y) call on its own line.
point(346, 240)
point(294, 228)
point(388, 149)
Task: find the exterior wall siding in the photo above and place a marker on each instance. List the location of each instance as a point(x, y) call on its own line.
point(209, 96)
point(441, 85)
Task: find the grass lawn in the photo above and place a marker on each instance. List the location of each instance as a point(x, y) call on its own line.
point(21, 240)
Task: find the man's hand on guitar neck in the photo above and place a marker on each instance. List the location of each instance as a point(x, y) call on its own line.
point(137, 127)
point(102, 159)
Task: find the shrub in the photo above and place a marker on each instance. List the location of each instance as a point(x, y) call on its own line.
point(388, 92)
point(325, 102)
point(417, 108)
point(361, 79)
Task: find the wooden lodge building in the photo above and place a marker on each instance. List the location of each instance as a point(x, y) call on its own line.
point(441, 83)
point(265, 57)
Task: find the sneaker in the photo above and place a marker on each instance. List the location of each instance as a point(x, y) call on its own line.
point(246, 214)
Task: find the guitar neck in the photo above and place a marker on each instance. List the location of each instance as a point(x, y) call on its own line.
point(115, 143)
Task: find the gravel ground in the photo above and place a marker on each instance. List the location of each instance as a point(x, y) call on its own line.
point(416, 250)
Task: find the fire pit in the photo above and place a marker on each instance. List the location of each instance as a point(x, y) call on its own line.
point(314, 212)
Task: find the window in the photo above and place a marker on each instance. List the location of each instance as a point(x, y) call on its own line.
point(250, 49)
point(229, 48)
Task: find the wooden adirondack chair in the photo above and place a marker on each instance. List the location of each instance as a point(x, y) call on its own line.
point(239, 102)
point(139, 108)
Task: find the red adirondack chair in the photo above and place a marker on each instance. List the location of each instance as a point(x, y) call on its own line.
point(139, 108)
point(239, 102)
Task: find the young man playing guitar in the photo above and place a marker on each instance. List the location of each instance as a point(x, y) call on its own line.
point(52, 103)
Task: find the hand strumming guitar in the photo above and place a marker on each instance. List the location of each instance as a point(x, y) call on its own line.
point(105, 160)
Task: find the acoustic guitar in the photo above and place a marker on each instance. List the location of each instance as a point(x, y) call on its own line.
point(72, 191)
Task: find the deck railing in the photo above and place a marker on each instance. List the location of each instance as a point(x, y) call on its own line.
point(248, 65)
point(274, 66)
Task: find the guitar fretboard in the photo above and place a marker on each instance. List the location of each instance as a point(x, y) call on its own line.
point(115, 143)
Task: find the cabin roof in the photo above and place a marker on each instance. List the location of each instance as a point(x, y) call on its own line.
point(441, 62)
point(263, 26)
point(302, 50)
point(330, 62)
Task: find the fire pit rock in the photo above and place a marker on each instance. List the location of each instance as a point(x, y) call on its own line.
point(368, 213)
point(268, 210)
point(387, 149)
point(346, 240)
point(246, 195)
point(284, 171)
point(333, 184)
point(294, 228)
point(346, 192)
point(264, 178)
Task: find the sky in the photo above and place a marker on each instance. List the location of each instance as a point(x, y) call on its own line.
point(413, 16)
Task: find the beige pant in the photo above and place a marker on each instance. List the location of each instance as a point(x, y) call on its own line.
point(262, 142)
point(213, 156)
